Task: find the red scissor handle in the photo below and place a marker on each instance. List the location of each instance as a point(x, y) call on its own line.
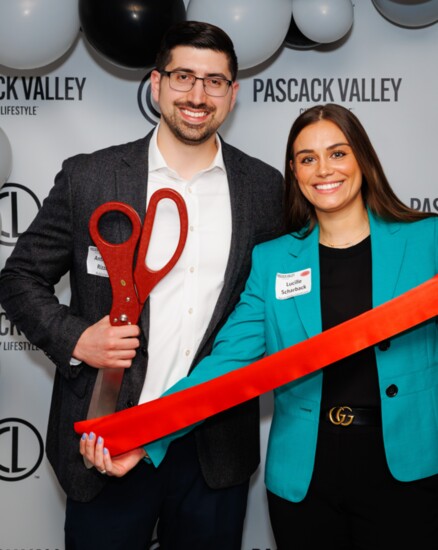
point(119, 261)
point(145, 278)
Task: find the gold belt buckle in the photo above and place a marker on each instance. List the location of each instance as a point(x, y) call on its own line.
point(339, 417)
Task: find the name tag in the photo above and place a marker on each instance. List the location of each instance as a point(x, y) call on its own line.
point(95, 263)
point(288, 285)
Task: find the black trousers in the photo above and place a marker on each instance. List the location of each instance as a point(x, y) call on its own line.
point(354, 503)
point(190, 515)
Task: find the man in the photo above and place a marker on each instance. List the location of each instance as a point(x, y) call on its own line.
point(198, 493)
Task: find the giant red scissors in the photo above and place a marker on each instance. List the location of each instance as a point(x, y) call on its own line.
point(131, 285)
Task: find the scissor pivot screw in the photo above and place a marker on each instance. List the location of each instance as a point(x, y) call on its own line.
point(123, 317)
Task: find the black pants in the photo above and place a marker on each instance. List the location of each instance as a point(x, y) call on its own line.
point(354, 503)
point(190, 515)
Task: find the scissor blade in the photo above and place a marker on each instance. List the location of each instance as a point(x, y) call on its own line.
point(145, 278)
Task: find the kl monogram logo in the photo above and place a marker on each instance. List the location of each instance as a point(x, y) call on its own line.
point(22, 449)
point(18, 206)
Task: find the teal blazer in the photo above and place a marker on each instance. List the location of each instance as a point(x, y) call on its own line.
point(404, 255)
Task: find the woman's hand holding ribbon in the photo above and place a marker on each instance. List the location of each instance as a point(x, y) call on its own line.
point(93, 449)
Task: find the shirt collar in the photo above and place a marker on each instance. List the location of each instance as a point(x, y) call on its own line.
point(157, 162)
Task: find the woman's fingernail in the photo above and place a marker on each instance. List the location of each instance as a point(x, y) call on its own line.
point(84, 437)
point(99, 440)
point(91, 436)
point(105, 451)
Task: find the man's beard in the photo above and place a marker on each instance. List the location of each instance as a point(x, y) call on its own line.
point(187, 134)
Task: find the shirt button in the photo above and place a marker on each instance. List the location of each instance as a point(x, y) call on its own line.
point(392, 390)
point(187, 352)
point(190, 310)
point(192, 269)
point(191, 228)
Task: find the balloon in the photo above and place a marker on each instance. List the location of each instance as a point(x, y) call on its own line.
point(409, 13)
point(34, 33)
point(5, 157)
point(323, 21)
point(127, 33)
point(296, 39)
point(257, 27)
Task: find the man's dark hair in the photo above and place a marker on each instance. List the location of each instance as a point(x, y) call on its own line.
point(197, 35)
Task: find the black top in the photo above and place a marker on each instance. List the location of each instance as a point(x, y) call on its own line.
point(346, 291)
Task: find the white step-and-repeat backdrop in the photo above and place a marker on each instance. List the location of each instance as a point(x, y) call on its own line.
point(378, 58)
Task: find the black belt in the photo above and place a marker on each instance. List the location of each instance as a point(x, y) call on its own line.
point(352, 416)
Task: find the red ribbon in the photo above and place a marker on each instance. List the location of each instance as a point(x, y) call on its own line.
point(131, 428)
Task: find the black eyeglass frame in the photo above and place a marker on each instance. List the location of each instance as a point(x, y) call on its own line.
point(169, 73)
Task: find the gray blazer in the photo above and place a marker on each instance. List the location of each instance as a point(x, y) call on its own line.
point(57, 242)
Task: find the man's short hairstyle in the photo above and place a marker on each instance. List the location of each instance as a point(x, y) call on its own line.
point(197, 35)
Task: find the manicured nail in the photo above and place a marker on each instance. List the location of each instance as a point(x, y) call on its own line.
point(84, 437)
point(99, 440)
point(105, 451)
point(91, 436)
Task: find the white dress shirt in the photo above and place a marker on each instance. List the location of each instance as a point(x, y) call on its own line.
point(181, 305)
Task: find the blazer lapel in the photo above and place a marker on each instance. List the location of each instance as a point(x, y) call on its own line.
point(305, 254)
point(388, 249)
point(128, 185)
point(132, 176)
point(240, 199)
point(131, 187)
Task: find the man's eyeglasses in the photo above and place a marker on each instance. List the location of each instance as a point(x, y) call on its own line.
point(214, 86)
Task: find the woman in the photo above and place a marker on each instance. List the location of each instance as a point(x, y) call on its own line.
point(353, 449)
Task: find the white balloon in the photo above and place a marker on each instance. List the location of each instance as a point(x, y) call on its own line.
point(34, 33)
point(323, 21)
point(256, 27)
point(409, 13)
point(5, 157)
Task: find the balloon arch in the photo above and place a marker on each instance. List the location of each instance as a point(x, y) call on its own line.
point(36, 33)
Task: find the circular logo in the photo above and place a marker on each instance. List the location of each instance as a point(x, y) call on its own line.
point(21, 449)
point(147, 105)
point(18, 207)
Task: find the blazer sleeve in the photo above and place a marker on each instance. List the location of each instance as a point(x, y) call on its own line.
point(240, 342)
point(42, 255)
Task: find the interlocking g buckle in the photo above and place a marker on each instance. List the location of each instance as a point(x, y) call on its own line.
point(338, 416)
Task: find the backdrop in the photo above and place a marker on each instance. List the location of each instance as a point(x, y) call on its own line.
point(384, 70)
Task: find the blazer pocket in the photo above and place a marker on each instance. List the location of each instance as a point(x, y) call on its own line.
point(79, 384)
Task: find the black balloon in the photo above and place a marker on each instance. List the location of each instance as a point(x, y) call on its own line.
point(128, 32)
point(296, 39)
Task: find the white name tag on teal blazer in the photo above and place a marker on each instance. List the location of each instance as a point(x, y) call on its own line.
point(288, 285)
